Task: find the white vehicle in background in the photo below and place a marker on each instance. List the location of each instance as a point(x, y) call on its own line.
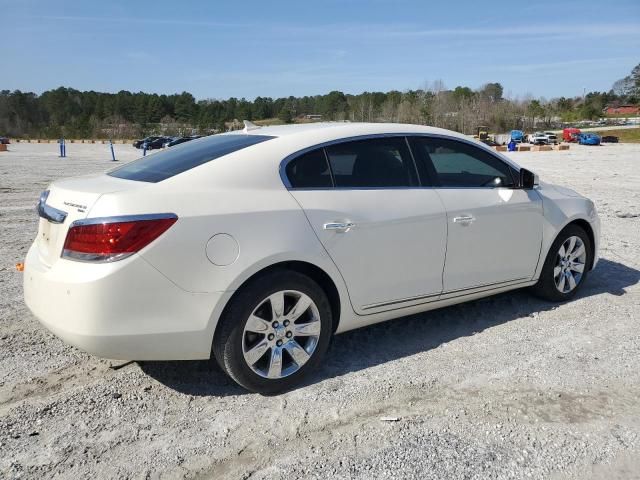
point(538, 138)
point(552, 138)
point(257, 246)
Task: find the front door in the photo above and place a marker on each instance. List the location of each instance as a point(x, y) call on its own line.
point(494, 228)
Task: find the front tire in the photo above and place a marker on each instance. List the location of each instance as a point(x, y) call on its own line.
point(566, 267)
point(274, 331)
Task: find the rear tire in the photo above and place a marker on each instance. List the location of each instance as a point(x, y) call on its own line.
point(274, 331)
point(566, 267)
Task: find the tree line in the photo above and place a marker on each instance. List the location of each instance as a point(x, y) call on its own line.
point(89, 114)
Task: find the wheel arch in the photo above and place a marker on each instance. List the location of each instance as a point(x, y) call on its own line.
point(586, 226)
point(317, 274)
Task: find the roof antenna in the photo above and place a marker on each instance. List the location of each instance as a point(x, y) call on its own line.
point(250, 126)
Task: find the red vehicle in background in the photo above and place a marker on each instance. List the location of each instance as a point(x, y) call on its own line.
point(570, 134)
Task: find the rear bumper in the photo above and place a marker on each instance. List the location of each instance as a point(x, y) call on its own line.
point(123, 310)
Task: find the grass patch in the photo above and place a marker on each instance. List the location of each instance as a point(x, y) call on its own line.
point(268, 121)
point(621, 115)
point(627, 135)
point(276, 121)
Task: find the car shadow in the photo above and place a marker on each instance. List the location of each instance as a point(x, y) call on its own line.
point(192, 377)
point(403, 337)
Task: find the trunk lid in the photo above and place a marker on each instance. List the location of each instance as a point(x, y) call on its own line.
point(75, 197)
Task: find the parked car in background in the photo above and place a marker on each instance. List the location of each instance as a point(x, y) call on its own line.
point(167, 140)
point(256, 246)
point(179, 140)
point(609, 139)
point(589, 139)
point(570, 134)
point(4, 140)
point(538, 138)
point(158, 143)
point(140, 143)
point(517, 136)
point(552, 138)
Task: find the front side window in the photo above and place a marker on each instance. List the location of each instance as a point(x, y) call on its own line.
point(373, 163)
point(175, 160)
point(309, 170)
point(456, 164)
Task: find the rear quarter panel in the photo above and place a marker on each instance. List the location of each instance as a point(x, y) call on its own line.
point(246, 202)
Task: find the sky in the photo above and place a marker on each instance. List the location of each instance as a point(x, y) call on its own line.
point(216, 49)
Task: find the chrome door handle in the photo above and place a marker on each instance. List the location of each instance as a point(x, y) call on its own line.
point(464, 220)
point(339, 227)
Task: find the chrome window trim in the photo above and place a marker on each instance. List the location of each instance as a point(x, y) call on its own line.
point(482, 147)
point(285, 161)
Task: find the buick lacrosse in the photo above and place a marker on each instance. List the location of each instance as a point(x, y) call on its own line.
point(258, 246)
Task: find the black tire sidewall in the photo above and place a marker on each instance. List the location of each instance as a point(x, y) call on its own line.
point(228, 341)
point(546, 287)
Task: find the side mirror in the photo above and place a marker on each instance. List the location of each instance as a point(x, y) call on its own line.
point(528, 179)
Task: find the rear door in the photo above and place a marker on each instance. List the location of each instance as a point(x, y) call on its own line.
point(386, 235)
point(494, 228)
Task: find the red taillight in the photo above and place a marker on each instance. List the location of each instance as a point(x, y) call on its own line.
point(113, 240)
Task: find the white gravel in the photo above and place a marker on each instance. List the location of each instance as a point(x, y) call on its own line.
point(505, 387)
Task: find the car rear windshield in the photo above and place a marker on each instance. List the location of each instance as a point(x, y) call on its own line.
point(180, 158)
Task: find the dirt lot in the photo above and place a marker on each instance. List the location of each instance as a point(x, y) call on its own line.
point(505, 387)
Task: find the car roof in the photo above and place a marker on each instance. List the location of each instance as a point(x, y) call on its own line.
point(340, 130)
point(284, 141)
point(304, 135)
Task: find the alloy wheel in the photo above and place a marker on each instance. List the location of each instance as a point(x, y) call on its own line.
point(570, 264)
point(281, 334)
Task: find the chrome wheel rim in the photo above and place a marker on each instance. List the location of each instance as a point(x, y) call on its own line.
point(570, 264)
point(281, 334)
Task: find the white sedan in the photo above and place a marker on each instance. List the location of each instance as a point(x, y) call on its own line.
point(258, 245)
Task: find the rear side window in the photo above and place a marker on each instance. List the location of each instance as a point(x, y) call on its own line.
point(180, 158)
point(380, 162)
point(457, 164)
point(310, 170)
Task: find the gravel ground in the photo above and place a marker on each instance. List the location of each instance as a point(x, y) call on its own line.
point(504, 387)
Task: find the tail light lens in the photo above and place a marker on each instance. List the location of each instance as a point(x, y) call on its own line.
point(110, 239)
